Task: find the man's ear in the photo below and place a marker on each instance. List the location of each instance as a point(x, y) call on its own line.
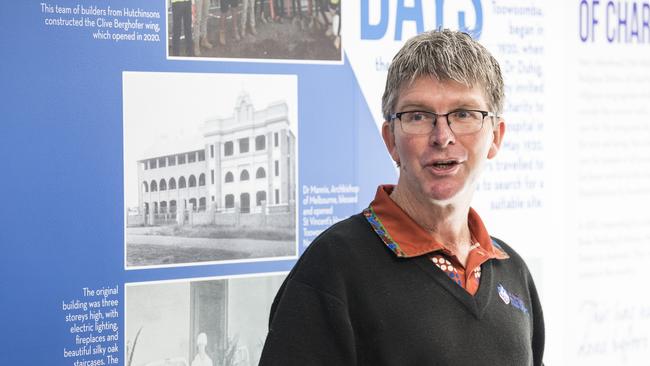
point(497, 137)
point(388, 134)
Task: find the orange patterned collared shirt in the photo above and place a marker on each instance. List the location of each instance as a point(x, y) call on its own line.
point(405, 238)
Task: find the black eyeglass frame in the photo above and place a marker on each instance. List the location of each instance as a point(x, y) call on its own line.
point(484, 114)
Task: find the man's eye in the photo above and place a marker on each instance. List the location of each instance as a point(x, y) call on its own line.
point(417, 117)
point(462, 114)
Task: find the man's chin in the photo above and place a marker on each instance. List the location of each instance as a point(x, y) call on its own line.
point(444, 196)
point(442, 201)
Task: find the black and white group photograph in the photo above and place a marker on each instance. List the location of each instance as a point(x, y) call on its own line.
point(305, 30)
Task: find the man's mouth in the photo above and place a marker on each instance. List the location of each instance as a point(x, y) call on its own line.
point(445, 164)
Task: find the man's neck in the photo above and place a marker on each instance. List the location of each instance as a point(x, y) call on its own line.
point(445, 221)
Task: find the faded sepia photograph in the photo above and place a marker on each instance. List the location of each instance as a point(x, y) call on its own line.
point(214, 322)
point(302, 30)
point(209, 168)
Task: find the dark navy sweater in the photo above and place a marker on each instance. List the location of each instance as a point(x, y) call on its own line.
point(350, 301)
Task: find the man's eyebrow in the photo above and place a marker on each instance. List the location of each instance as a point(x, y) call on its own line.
point(416, 106)
point(421, 106)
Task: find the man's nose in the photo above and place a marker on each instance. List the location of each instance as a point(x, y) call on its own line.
point(441, 135)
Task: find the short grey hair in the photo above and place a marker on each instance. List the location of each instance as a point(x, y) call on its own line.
point(445, 55)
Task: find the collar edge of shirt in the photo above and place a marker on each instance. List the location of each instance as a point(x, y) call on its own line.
point(485, 241)
point(384, 235)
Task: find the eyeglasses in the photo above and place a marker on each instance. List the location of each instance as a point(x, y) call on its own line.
point(461, 121)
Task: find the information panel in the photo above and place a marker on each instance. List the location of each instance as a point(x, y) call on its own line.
point(167, 162)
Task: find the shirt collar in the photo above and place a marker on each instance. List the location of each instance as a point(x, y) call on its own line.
point(405, 238)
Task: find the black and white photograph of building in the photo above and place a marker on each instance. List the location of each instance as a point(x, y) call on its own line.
point(210, 168)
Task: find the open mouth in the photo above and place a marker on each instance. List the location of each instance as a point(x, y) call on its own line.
point(445, 164)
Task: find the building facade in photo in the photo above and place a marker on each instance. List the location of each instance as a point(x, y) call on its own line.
point(246, 165)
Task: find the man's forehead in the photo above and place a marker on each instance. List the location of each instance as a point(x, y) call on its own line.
point(433, 87)
point(416, 79)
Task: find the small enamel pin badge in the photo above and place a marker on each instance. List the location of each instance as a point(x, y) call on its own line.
point(503, 294)
point(512, 299)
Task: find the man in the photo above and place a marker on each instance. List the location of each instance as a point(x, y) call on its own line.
point(202, 8)
point(415, 279)
point(229, 8)
point(182, 13)
point(248, 17)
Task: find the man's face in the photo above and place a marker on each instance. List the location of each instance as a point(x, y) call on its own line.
point(441, 166)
